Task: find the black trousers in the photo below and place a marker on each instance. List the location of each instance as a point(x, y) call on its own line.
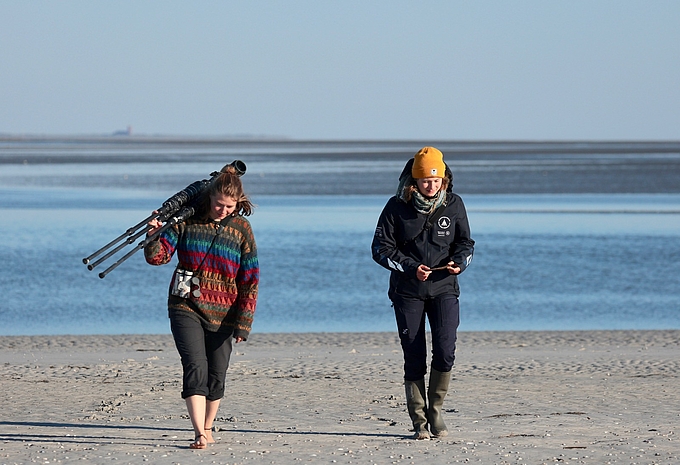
point(443, 314)
point(205, 356)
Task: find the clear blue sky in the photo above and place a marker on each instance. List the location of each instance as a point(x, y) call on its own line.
point(597, 70)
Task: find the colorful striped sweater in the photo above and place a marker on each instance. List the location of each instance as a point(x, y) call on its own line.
point(229, 275)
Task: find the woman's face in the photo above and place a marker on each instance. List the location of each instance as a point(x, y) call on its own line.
point(429, 186)
point(221, 206)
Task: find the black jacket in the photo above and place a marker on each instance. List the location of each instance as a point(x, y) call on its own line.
point(403, 240)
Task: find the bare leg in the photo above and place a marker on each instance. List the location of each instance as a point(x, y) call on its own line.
point(196, 405)
point(211, 407)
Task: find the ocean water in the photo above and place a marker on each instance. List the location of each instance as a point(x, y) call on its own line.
point(543, 260)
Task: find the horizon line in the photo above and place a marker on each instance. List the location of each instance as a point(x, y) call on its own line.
point(141, 137)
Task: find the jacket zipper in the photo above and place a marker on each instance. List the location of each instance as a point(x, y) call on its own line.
point(428, 256)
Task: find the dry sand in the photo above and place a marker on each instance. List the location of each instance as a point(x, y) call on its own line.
point(593, 397)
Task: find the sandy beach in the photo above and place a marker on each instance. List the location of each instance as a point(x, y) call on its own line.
point(568, 397)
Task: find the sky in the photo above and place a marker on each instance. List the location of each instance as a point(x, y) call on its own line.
point(319, 69)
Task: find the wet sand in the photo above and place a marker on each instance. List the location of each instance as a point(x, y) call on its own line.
point(516, 398)
point(282, 167)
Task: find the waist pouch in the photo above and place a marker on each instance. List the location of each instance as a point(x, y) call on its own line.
point(185, 284)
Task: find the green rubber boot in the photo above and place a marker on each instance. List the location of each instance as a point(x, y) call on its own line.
point(417, 408)
point(439, 386)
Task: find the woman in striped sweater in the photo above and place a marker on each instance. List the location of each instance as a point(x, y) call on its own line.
point(215, 301)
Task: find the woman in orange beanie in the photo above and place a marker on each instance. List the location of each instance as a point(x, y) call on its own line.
point(423, 238)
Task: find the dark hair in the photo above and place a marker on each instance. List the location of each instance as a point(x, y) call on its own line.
point(228, 183)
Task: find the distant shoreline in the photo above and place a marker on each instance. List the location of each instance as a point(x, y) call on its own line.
point(448, 145)
point(349, 167)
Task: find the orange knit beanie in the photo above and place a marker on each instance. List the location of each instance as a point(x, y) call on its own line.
point(428, 163)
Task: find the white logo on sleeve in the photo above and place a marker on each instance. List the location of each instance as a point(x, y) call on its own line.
point(394, 265)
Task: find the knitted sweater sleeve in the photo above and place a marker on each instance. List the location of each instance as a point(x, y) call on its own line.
point(247, 282)
point(160, 251)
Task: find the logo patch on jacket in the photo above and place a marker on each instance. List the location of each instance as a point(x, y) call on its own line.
point(444, 223)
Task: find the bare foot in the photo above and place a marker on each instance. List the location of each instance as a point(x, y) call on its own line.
point(209, 436)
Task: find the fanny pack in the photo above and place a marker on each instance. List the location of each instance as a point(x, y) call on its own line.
point(185, 284)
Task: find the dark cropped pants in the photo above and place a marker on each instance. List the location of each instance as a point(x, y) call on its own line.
point(205, 356)
point(443, 314)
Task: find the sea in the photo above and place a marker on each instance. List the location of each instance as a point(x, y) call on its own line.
point(569, 235)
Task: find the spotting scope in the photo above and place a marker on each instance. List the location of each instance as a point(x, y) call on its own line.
point(176, 209)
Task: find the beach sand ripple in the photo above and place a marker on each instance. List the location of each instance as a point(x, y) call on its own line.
point(516, 398)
